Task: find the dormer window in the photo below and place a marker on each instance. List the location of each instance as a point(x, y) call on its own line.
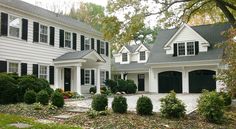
point(142, 55)
point(124, 57)
point(181, 49)
point(186, 48)
point(190, 48)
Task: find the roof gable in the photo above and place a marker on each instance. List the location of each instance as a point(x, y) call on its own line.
point(124, 48)
point(140, 47)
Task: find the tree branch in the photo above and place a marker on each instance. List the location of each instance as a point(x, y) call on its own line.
point(229, 5)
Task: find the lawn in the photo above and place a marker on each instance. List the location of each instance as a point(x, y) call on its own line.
point(6, 119)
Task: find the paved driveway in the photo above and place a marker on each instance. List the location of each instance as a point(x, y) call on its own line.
point(190, 101)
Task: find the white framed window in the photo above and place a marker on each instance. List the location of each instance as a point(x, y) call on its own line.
point(142, 55)
point(102, 47)
point(181, 49)
point(14, 26)
point(43, 34)
point(68, 40)
point(102, 77)
point(87, 45)
point(43, 72)
point(124, 57)
point(13, 67)
point(190, 48)
point(87, 77)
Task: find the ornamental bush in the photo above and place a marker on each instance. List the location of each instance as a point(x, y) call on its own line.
point(122, 85)
point(99, 102)
point(92, 90)
point(8, 89)
point(42, 97)
point(172, 107)
point(57, 99)
point(30, 97)
point(131, 87)
point(227, 96)
point(112, 85)
point(144, 106)
point(211, 106)
point(119, 104)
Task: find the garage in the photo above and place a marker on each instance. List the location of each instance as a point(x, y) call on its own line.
point(170, 80)
point(201, 79)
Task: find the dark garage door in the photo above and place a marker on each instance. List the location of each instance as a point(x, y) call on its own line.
point(170, 80)
point(201, 79)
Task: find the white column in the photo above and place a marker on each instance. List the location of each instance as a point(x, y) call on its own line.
point(56, 77)
point(153, 81)
point(122, 75)
point(219, 84)
point(98, 81)
point(78, 80)
point(185, 81)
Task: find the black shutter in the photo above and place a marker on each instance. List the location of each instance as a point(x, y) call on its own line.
point(82, 76)
point(36, 32)
point(92, 43)
point(81, 42)
point(23, 69)
point(74, 41)
point(52, 35)
point(35, 69)
point(24, 29)
point(51, 75)
point(92, 77)
point(107, 49)
point(175, 49)
point(3, 66)
point(61, 38)
point(196, 47)
point(98, 46)
point(107, 75)
point(4, 24)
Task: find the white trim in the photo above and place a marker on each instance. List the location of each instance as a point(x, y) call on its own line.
point(8, 26)
point(17, 62)
point(124, 47)
point(39, 65)
point(90, 78)
point(140, 46)
point(186, 48)
point(48, 33)
point(71, 40)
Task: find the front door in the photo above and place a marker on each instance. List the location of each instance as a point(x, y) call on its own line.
point(67, 79)
point(141, 82)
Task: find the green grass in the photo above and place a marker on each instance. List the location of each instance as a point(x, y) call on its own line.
point(6, 119)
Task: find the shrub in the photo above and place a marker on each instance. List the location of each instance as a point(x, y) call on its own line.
point(227, 96)
point(49, 90)
point(122, 85)
point(103, 88)
point(112, 85)
point(37, 106)
point(211, 106)
point(144, 106)
point(119, 104)
point(42, 97)
point(99, 102)
point(131, 87)
point(57, 99)
point(30, 97)
point(68, 94)
point(8, 89)
point(172, 107)
point(92, 90)
point(59, 90)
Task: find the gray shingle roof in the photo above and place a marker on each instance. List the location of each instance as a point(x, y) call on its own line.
point(73, 55)
point(212, 33)
point(37, 11)
point(132, 48)
point(129, 67)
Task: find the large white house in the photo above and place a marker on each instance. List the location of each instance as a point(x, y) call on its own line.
point(183, 59)
point(68, 53)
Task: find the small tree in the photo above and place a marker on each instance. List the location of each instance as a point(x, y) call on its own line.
point(144, 106)
point(57, 99)
point(119, 104)
point(99, 102)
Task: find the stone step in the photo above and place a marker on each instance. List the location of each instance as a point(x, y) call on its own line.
point(63, 116)
point(78, 110)
point(44, 121)
point(20, 125)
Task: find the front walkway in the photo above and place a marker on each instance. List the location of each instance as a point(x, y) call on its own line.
point(190, 101)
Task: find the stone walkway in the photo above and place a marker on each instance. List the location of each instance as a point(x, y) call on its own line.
point(190, 101)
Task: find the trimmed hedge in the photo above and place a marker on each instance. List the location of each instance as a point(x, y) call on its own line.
point(57, 99)
point(30, 97)
point(119, 104)
point(99, 102)
point(144, 106)
point(42, 97)
point(227, 96)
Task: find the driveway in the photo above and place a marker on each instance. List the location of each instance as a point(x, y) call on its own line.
point(190, 101)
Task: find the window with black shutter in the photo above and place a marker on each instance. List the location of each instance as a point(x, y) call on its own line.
point(98, 46)
point(93, 77)
point(92, 43)
point(35, 70)
point(36, 32)
point(107, 75)
point(51, 75)
point(4, 24)
point(82, 76)
point(81, 42)
point(107, 49)
point(61, 38)
point(74, 41)
point(175, 49)
point(196, 47)
point(52, 35)
point(24, 29)
point(3, 67)
point(23, 69)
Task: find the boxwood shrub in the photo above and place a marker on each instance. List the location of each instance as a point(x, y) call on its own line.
point(42, 97)
point(119, 104)
point(172, 107)
point(30, 97)
point(92, 90)
point(144, 106)
point(99, 102)
point(227, 96)
point(211, 106)
point(57, 99)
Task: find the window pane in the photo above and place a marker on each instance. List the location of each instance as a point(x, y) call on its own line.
point(102, 47)
point(190, 48)
point(124, 57)
point(142, 55)
point(67, 39)
point(102, 77)
point(14, 26)
point(43, 34)
point(87, 76)
point(87, 43)
point(181, 48)
point(13, 68)
point(43, 72)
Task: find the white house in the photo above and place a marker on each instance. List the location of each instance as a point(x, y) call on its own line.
point(183, 59)
point(68, 53)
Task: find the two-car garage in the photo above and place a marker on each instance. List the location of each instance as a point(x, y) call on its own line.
point(197, 80)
